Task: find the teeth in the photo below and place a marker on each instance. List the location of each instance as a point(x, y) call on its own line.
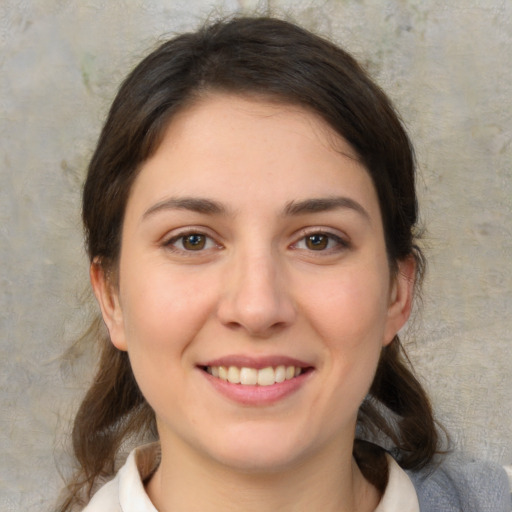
point(252, 377)
point(223, 373)
point(266, 376)
point(248, 376)
point(280, 374)
point(234, 375)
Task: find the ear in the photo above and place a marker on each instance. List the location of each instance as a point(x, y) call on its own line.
point(400, 298)
point(107, 296)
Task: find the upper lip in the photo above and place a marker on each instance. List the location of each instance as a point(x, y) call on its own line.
point(259, 362)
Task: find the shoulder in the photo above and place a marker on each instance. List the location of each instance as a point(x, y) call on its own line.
point(125, 492)
point(462, 484)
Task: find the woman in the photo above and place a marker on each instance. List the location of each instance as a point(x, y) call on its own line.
point(250, 213)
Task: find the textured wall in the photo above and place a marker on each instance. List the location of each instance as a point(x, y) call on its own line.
point(447, 65)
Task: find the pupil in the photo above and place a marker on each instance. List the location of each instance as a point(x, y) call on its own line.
point(317, 242)
point(194, 242)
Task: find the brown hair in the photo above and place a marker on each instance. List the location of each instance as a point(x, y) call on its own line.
point(280, 61)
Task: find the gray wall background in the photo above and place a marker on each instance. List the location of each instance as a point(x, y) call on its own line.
point(448, 67)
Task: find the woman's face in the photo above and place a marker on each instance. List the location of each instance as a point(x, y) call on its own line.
point(253, 250)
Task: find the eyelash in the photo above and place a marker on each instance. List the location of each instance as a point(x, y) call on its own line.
point(340, 243)
point(208, 240)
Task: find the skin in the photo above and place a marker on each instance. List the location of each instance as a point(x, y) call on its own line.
point(256, 288)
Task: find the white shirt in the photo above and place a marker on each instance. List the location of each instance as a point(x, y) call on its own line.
point(126, 493)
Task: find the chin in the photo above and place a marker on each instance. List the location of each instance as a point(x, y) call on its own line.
point(260, 450)
point(256, 461)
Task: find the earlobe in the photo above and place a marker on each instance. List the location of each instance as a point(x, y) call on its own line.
point(108, 299)
point(400, 299)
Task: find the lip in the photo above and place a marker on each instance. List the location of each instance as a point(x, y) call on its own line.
point(255, 362)
point(257, 395)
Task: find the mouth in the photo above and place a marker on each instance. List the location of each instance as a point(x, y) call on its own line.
point(247, 376)
point(257, 381)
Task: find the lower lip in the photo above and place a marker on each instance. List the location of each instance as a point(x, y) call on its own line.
point(258, 395)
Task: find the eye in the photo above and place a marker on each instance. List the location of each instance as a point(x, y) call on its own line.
point(193, 242)
point(321, 241)
point(317, 242)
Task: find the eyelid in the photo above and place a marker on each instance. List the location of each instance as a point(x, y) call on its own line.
point(175, 235)
point(342, 239)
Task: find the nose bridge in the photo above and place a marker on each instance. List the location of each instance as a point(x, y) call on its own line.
point(256, 296)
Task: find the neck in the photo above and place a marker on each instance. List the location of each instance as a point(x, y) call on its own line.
point(331, 482)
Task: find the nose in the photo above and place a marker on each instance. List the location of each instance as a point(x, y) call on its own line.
point(256, 296)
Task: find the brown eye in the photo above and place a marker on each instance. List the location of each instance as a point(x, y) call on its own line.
point(193, 242)
point(189, 242)
point(317, 242)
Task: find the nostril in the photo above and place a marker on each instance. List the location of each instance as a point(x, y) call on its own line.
point(257, 330)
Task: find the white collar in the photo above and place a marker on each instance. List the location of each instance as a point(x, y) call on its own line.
point(127, 491)
point(400, 493)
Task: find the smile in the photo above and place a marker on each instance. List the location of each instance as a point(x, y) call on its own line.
point(251, 376)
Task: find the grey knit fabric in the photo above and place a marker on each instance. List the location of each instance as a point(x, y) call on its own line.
point(461, 484)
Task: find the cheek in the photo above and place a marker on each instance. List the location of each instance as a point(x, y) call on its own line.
point(162, 313)
point(349, 316)
point(350, 311)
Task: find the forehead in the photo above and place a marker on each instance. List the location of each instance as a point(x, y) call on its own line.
point(243, 116)
point(246, 149)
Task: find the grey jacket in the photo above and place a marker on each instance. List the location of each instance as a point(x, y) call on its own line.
point(460, 484)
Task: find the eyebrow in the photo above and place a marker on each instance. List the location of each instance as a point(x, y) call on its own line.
point(194, 204)
point(324, 204)
point(293, 208)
